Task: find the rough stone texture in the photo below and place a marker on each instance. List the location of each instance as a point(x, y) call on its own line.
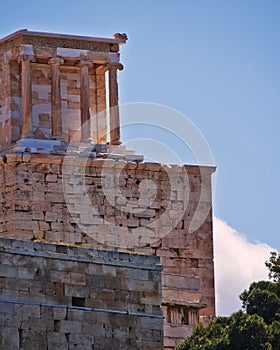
point(94, 194)
point(34, 207)
point(48, 293)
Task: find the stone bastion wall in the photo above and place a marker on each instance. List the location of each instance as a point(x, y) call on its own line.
point(147, 208)
point(61, 297)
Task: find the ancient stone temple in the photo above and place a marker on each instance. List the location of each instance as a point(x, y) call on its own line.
point(99, 249)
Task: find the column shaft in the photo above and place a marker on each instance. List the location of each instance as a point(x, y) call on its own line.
point(101, 106)
point(26, 96)
point(85, 100)
point(114, 104)
point(55, 63)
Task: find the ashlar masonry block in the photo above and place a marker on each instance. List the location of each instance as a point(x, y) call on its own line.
point(65, 315)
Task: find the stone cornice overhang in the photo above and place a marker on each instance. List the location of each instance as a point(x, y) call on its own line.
point(110, 163)
point(24, 33)
point(195, 305)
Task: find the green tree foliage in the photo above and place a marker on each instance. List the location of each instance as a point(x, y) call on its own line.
point(263, 298)
point(240, 331)
point(257, 327)
point(273, 265)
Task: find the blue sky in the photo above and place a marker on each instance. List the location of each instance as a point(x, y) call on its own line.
point(216, 62)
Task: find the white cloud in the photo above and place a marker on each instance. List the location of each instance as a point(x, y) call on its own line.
point(238, 262)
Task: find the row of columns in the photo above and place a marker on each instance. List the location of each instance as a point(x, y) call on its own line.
point(84, 65)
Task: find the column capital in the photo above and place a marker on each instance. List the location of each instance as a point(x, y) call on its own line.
point(101, 68)
point(85, 63)
point(56, 60)
point(26, 58)
point(115, 65)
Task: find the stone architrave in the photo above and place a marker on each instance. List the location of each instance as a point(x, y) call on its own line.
point(26, 94)
point(85, 65)
point(55, 63)
point(114, 103)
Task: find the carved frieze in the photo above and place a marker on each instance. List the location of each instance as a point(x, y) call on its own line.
point(72, 44)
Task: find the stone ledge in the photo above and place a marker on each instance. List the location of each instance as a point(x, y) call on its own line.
point(71, 307)
point(64, 252)
point(166, 301)
point(109, 162)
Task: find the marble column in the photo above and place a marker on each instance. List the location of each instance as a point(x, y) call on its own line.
point(26, 95)
point(114, 103)
point(55, 63)
point(85, 100)
point(101, 106)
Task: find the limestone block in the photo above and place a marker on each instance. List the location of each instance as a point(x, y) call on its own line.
point(151, 323)
point(44, 226)
point(76, 315)
point(78, 278)
point(178, 333)
point(150, 299)
point(60, 276)
point(136, 274)
point(64, 326)
point(54, 197)
point(170, 294)
point(96, 330)
point(37, 215)
point(46, 312)
point(8, 271)
point(138, 285)
point(12, 321)
point(51, 178)
point(112, 282)
point(33, 340)
point(181, 282)
point(57, 341)
point(76, 291)
point(28, 311)
point(6, 259)
point(9, 338)
point(94, 269)
point(17, 284)
point(41, 325)
point(27, 273)
point(51, 216)
point(109, 295)
point(6, 309)
point(109, 270)
point(27, 225)
point(80, 342)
